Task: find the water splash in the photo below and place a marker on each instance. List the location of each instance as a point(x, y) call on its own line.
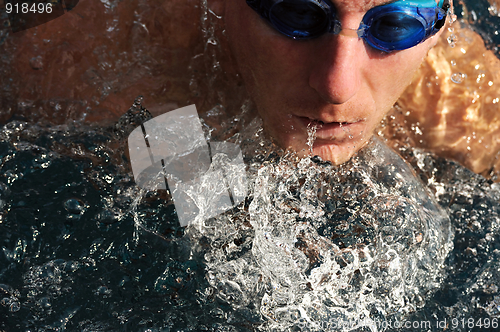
point(311, 134)
point(355, 244)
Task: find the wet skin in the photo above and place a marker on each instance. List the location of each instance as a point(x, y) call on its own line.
point(336, 82)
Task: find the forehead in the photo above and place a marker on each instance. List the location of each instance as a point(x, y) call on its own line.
point(358, 5)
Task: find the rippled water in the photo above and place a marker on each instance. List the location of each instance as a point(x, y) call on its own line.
point(484, 17)
point(361, 244)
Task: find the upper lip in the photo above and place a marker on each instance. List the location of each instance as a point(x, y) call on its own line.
point(327, 121)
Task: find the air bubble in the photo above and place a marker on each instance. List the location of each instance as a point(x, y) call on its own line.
point(458, 77)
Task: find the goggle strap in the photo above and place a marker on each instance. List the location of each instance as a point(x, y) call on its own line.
point(441, 18)
point(336, 27)
point(353, 33)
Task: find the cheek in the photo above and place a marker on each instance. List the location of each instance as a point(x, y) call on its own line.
point(266, 60)
point(246, 49)
point(393, 75)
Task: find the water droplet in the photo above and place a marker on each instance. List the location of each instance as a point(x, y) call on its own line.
point(473, 16)
point(74, 206)
point(458, 77)
point(493, 10)
point(452, 40)
point(45, 302)
point(453, 62)
point(212, 41)
point(103, 290)
point(138, 101)
point(452, 18)
point(36, 62)
point(15, 306)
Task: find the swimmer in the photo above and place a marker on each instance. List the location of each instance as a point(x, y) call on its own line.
point(328, 80)
point(336, 65)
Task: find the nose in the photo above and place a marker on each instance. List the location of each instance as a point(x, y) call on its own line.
point(337, 68)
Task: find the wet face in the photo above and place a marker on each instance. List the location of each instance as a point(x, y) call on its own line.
point(335, 82)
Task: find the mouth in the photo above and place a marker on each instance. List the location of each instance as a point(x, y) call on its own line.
point(337, 131)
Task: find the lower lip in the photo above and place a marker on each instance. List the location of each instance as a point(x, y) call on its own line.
point(333, 130)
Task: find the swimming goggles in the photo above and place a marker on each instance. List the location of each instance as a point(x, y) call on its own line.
point(392, 27)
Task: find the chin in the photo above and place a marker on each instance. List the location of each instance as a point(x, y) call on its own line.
point(337, 154)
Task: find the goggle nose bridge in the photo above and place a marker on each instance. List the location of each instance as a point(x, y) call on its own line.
point(337, 29)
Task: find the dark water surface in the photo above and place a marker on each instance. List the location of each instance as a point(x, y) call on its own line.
point(72, 257)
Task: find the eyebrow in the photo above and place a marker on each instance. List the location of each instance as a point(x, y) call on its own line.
point(369, 4)
point(386, 3)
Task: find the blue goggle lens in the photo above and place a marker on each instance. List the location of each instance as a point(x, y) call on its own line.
point(396, 27)
point(395, 31)
point(299, 19)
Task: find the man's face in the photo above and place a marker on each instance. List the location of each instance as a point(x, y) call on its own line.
point(336, 79)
